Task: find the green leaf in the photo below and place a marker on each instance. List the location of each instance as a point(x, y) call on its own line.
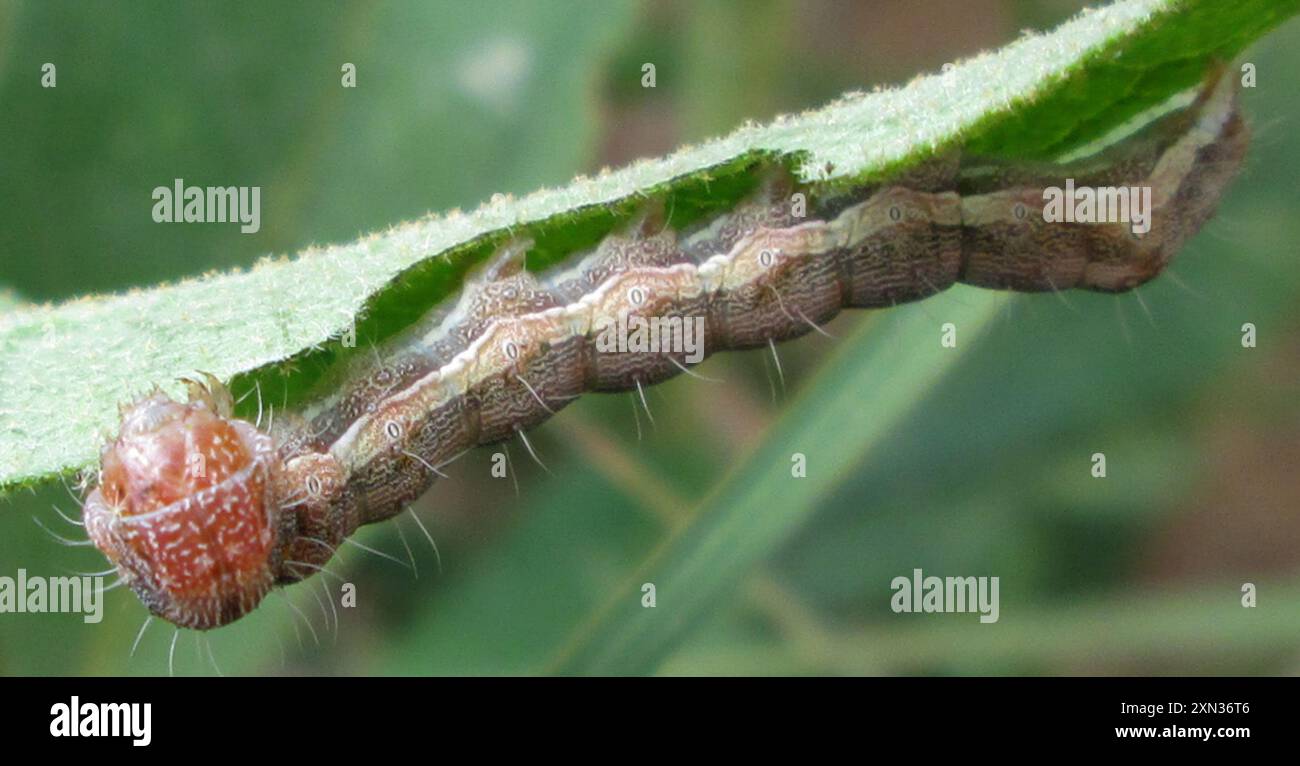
point(67, 367)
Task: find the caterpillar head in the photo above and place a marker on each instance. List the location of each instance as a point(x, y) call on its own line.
point(183, 508)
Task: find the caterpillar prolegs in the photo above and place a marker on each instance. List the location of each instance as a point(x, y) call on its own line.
point(202, 514)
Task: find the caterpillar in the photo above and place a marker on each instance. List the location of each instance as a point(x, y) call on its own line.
point(202, 514)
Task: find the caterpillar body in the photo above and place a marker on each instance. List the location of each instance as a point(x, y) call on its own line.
point(203, 514)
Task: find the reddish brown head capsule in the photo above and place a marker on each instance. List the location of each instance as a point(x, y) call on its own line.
point(183, 508)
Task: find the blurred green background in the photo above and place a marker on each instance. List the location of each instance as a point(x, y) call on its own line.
point(986, 471)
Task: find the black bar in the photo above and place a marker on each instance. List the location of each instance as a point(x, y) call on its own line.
point(257, 717)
